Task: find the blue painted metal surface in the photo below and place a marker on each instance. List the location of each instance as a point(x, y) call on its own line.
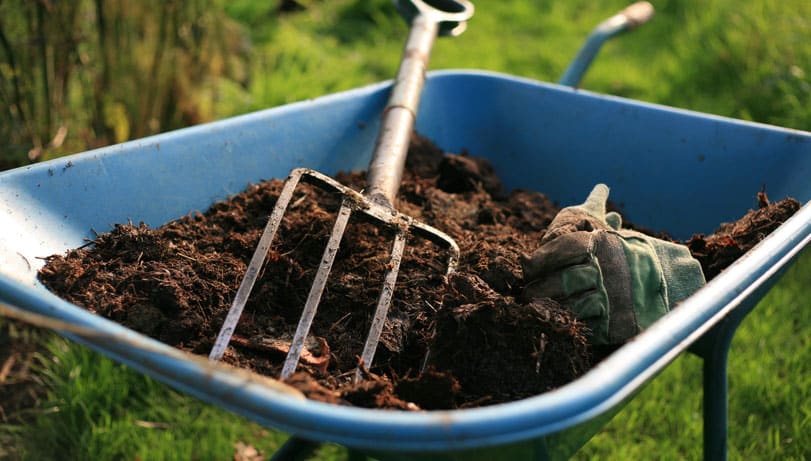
point(670, 169)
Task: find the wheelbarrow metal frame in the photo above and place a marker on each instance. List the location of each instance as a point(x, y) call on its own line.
point(52, 206)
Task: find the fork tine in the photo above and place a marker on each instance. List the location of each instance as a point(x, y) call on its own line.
point(351, 201)
point(384, 301)
point(258, 258)
point(317, 289)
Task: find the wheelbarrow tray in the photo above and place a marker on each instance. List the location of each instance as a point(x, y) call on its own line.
point(674, 170)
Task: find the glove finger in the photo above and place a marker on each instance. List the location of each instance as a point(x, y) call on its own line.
point(556, 229)
point(569, 282)
point(589, 305)
point(592, 309)
point(564, 251)
point(571, 220)
point(614, 220)
point(595, 202)
point(546, 287)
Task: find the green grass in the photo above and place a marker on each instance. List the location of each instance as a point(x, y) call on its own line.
point(748, 60)
point(97, 409)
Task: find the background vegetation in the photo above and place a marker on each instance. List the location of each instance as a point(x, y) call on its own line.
point(80, 74)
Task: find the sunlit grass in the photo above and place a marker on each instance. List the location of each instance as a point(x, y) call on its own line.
point(95, 408)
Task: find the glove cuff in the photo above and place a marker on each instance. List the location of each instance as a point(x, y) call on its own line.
point(620, 321)
point(672, 275)
point(681, 271)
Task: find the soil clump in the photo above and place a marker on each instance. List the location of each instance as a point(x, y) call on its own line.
point(453, 342)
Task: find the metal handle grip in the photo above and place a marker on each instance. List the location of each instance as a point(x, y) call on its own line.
point(388, 160)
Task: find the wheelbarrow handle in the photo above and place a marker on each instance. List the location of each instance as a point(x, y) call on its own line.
point(637, 14)
point(451, 15)
point(630, 18)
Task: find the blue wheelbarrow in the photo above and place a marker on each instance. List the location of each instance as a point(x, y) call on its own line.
point(537, 135)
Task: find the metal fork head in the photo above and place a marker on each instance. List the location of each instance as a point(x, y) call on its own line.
point(354, 202)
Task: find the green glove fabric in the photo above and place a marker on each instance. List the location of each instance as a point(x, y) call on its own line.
point(617, 281)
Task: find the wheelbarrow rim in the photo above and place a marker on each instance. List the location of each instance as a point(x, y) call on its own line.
point(602, 388)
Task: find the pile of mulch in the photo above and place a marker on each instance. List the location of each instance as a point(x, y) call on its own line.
point(449, 342)
point(731, 240)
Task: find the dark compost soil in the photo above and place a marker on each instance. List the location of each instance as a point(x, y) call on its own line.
point(480, 343)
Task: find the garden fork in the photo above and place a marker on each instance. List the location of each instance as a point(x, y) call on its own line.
point(428, 19)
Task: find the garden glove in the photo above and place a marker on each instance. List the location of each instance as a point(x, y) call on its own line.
point(617, 281)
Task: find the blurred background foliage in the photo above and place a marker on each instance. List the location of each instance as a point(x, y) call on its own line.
point(86, 73)
point(81, 74)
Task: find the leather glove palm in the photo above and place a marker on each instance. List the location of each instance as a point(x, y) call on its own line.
point(617, 281)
